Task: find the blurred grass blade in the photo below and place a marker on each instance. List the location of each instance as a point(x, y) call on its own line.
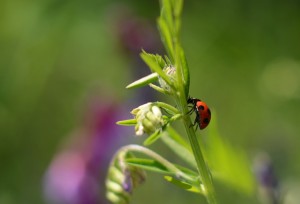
point(229, 164)
point(143, 81)
point(129, 122)
point(152, 138)
point(178, 5)
point(178, 139)
point(178, 148)
point(178, 145)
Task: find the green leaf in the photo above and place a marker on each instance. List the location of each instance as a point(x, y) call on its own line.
point(175, 117)
point(178, 139)
point(154, 66)
point(157, 58)
point(166, 38)
point(183, 185)
point(179, 146)
point(158, 89)
point(143, 81)
point(148, 164)
point(152, 138)
point(185, 71)
point(160, 61)
point(129, 122)
point(229, 164)
point(155, 166)
point(178, 5)
point(177, 9)
point(167, 107)
point(178, 182)
point(167, 13)
point(189, 172)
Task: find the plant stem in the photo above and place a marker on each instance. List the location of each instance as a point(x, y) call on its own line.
point(201, 164)
point(200, 161)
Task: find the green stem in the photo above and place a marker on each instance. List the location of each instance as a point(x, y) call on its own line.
point(200, 161)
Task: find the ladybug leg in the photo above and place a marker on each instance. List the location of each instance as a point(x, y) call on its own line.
point(195, 123)
point(190, 111)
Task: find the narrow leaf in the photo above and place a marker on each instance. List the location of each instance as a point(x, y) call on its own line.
point(180, 150)
point(177, 182)
point(178, 139)
point(154, 66)
point(178, 145)
point(229, 164)
point(175, 117)
point(167, 13)
point(185, 71)
point(167, 107)
point(166, 37)
point(129, 122)
point(148, 164)
point(183, 185)
point(157, 88)
point(143, 81)
point(178, 5)
point(189, 172)
point(152, 138)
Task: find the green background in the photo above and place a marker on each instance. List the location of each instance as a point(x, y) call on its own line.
point(244, 59)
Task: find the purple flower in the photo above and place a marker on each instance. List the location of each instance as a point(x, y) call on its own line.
point(77, 173)
point(267, 180)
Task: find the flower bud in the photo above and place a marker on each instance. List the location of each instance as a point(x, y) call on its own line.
point(171, 73)
point(148, 117)
point(122, 179)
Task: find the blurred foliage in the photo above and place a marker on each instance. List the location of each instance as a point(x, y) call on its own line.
point(244, 59)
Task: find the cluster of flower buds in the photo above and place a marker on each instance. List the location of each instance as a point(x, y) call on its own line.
point(171, 73)
point(148, 117)
point(122, 179)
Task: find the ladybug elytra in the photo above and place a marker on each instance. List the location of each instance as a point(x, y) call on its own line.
point(203, 114)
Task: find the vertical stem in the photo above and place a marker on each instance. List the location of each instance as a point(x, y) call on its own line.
point(201, 164)
point(200, 161)
point(181, 92)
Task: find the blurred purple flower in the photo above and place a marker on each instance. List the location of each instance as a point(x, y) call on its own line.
point(77, 173)
point(133, 33)
point(267, 180)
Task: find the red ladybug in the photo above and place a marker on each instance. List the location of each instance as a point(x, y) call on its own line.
point(202, 111)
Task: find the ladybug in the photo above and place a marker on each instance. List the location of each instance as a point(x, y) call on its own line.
point(202, 111)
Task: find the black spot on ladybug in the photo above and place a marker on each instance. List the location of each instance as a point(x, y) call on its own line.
point(201, 107)
point(206, 120)
point(208, 111)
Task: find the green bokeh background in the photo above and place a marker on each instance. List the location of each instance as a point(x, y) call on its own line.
point(244, 59)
